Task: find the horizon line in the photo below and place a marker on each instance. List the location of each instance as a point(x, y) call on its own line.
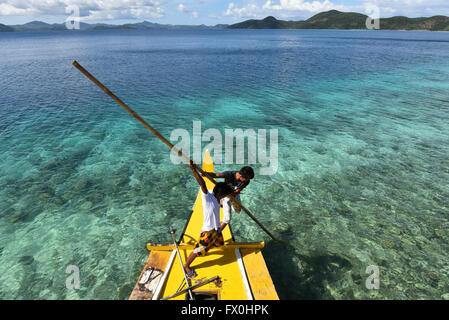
point(203, 24)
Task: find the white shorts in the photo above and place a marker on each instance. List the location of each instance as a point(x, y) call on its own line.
point(227, 208)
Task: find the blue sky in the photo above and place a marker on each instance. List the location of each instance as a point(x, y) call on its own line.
point(208, 12)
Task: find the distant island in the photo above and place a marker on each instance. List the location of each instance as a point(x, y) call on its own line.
point(145, 25)
point(332, 19)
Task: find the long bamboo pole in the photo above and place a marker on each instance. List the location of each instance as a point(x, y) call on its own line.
point(168, 143)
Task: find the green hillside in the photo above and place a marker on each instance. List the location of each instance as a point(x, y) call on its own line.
point(334, 19)
point(267, 23)
point(4, 28)
point(435, 23)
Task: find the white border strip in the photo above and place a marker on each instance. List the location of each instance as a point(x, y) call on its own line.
point(162, 281)
point(249, 294)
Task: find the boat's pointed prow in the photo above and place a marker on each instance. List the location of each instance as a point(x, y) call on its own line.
point(208, 166)
point(208, 163)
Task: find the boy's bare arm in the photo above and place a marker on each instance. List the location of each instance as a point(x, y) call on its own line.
point(198, 178)
point(214, 175)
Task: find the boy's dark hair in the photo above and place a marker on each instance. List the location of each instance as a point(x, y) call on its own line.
point(222, 189)
point(247, 172)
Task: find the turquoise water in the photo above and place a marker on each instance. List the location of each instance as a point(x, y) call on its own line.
point(363, 178)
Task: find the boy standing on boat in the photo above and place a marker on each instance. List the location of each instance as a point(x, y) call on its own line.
point(210, 232)
point(237, 180)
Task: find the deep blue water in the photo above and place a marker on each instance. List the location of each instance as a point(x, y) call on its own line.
point(363, 178)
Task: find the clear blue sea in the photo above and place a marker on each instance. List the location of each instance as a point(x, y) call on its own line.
point(363, 178)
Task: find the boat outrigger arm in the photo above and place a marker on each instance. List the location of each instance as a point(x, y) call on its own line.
point(234, 245)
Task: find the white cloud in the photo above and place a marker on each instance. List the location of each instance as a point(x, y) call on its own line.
point(7, 9)
point(182, 8)
point(413, 8)
point(300, 5)
point(100, 10)
point(282, 8)
point(306, 8)
point(89, 9)
point(250, 11)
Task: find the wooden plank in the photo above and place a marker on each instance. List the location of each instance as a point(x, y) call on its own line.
point(249, 295)
point(154, 270)
point(259, 278)
point(158, 290)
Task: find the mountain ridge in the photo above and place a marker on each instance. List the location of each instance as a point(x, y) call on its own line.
point(144, 25)
point(335, 19)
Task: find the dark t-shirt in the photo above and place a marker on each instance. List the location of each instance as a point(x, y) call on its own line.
point(230, 179)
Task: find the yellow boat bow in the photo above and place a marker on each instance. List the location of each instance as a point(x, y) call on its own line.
point(239, 267)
